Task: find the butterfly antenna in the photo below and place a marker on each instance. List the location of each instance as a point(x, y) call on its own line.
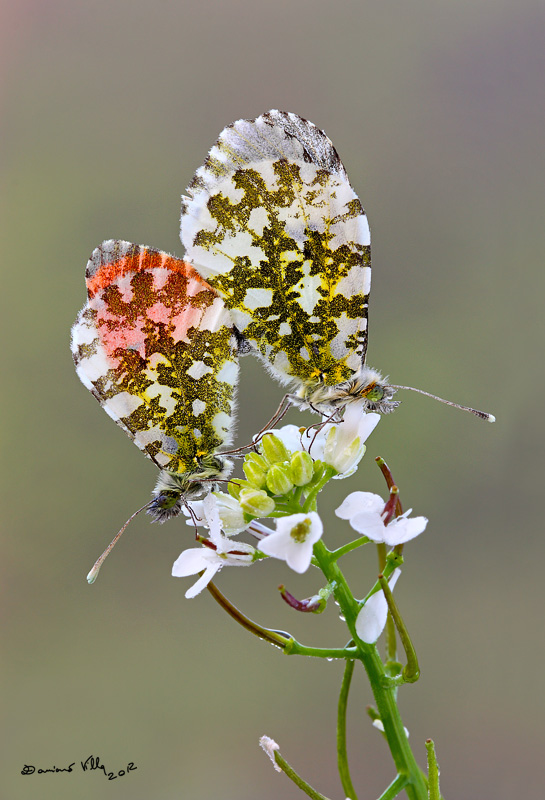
point(92, 576)
point(480, 414)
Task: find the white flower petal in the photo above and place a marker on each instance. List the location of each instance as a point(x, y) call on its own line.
point(368, 424)
point(358, 502)
point(298, 558)
point(289, 435)
point(203, 581)
point(231, 514)
point(197, 509)
point(369, 524)
point(356, 423)
point(314, 442)
point(402, 530)
point(211, 513)
point(371, 620)
point(344, 444)
point(190, 562)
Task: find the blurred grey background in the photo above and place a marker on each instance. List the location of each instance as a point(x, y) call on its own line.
point(437, 110)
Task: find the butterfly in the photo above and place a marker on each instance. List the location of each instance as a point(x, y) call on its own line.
point(272, 223)
point(155, 345)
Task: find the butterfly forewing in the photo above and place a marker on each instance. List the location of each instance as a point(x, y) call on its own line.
point(155, 346)
point(272, 223)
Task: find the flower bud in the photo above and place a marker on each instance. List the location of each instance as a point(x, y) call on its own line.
point(302, 468)
point(279, 479)
point(234, 488)
point(257, 459)
point(236, 485)
point(256, 502)
point(274, 449)
point(255, 475)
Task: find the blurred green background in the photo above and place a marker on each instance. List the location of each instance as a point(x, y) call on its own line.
point(438, 112)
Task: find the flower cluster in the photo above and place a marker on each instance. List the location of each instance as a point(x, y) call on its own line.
point(283, 477)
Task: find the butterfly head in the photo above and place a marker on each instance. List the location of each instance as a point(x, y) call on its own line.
point(174, 490)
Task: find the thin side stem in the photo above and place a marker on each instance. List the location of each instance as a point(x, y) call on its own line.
point(347, 548)
point(297, 779)
point(294, 648)
point(273, 637)
point(391, 647)
point(342, 754)
point(434, 792)
point(411, 671)
point(394, 788)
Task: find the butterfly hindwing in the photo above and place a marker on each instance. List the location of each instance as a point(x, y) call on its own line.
point(272, 223)
point(155, 346)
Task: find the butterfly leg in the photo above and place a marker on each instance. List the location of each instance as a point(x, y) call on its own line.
point(280, 412)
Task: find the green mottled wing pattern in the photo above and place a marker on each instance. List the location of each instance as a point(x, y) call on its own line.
point(272, 223)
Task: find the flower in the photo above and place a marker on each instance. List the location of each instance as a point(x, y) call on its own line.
point(371, 620)
point(364, 511)
point(293, 540)
point(229, 510)
point(344, 443)
point(270, 747)
point(341, 446)
point(217, 553)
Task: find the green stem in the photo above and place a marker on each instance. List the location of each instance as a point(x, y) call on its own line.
point(394, 788)
point(287, 643)
point(411, 671)
point(390, 627)
point(294, 648)
point(433, 772)
point(347, 548)
point(342, 755)
point(297, 779)
point(310, 501)
point(273, 637)
point(384, 694)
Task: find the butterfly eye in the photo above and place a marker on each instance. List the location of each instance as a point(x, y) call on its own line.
point(375, 393)
point(165, 501)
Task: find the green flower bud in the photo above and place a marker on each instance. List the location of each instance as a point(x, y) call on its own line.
point(255, 474)
point(257, 459)
point(236, 485)
point(279, 479)
point(234, 488)
point(274, 449)
point(256, 502)
point(302, 468)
